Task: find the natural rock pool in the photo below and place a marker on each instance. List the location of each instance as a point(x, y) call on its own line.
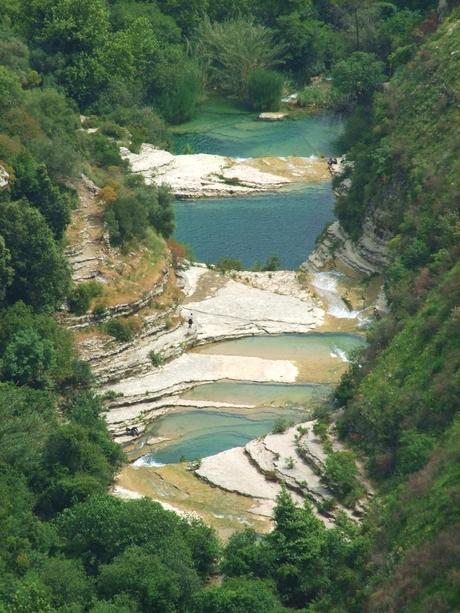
point(252, 409)
point(320, 357)
point(286, 223)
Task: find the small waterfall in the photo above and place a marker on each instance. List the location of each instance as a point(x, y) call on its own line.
point(326, 284)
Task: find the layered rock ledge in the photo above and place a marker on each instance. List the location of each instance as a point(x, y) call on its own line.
point(366, 256)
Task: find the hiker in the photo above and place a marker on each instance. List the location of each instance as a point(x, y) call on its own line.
point(190, 321)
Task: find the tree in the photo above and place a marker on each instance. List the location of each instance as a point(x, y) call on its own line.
point(157, 581)
point(300, 546)
point(238, 596)
point(41, 275)
point(187, 13)
point(10, 90)
point(415, 450)
point(34, 183)
point(67, 582)
point(69, 26)
point(229, 51)
point(101, 529)
point(246, 556)
point(29, 360)
point(358, 17)
point(341, 475)
point(26, 418)
point(178, 100)
point(6, 270)
point(310, 46)
point(356, 78)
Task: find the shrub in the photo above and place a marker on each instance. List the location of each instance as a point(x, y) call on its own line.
point(341, 476)
point(81, 296)
point(264, 90)
point(415, 450)
point(302, 430)
point(103, 151)
point(226, 264)
point(99, 311)
point(108, 194)
point(112, 129)
point(281, 425)
point(178, 101)
point(312, 95)
point(273, 263)
point(131, 216)
point(326, 505)
point(155, 358)
point(144, 125)
point(320, 428)
point(119, 330)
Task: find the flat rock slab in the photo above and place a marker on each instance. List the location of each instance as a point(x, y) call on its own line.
point(236, 305)
point(224, 309)
point(232, 471)
point(195, 368)
point(203, 175)
point(272, 116)
point(284, 446)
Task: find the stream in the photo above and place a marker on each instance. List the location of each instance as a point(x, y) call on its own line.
point(283, 224)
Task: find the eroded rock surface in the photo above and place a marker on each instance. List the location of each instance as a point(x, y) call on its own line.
point(204, 175)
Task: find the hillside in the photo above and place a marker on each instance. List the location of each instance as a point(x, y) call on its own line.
point(402, 397)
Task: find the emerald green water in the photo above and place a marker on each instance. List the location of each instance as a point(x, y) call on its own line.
point(260, 394)
point(251, 228)
point(221, 128)
point(197, 433)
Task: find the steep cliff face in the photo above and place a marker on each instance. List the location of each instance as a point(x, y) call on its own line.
point(366, 256)
point(337, 249)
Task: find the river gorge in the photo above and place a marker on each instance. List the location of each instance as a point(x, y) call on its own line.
point(262, 350)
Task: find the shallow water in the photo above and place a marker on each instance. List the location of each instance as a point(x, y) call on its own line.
point(252, 228)
point(223, 129)
point(320, 357)
point(196, 433)
point(259, 395)
point(202, 432)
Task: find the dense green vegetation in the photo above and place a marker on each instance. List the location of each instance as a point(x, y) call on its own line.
point(401, 396)
point(131, 68)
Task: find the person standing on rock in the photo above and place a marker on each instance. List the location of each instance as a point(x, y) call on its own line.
point(190, 321)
